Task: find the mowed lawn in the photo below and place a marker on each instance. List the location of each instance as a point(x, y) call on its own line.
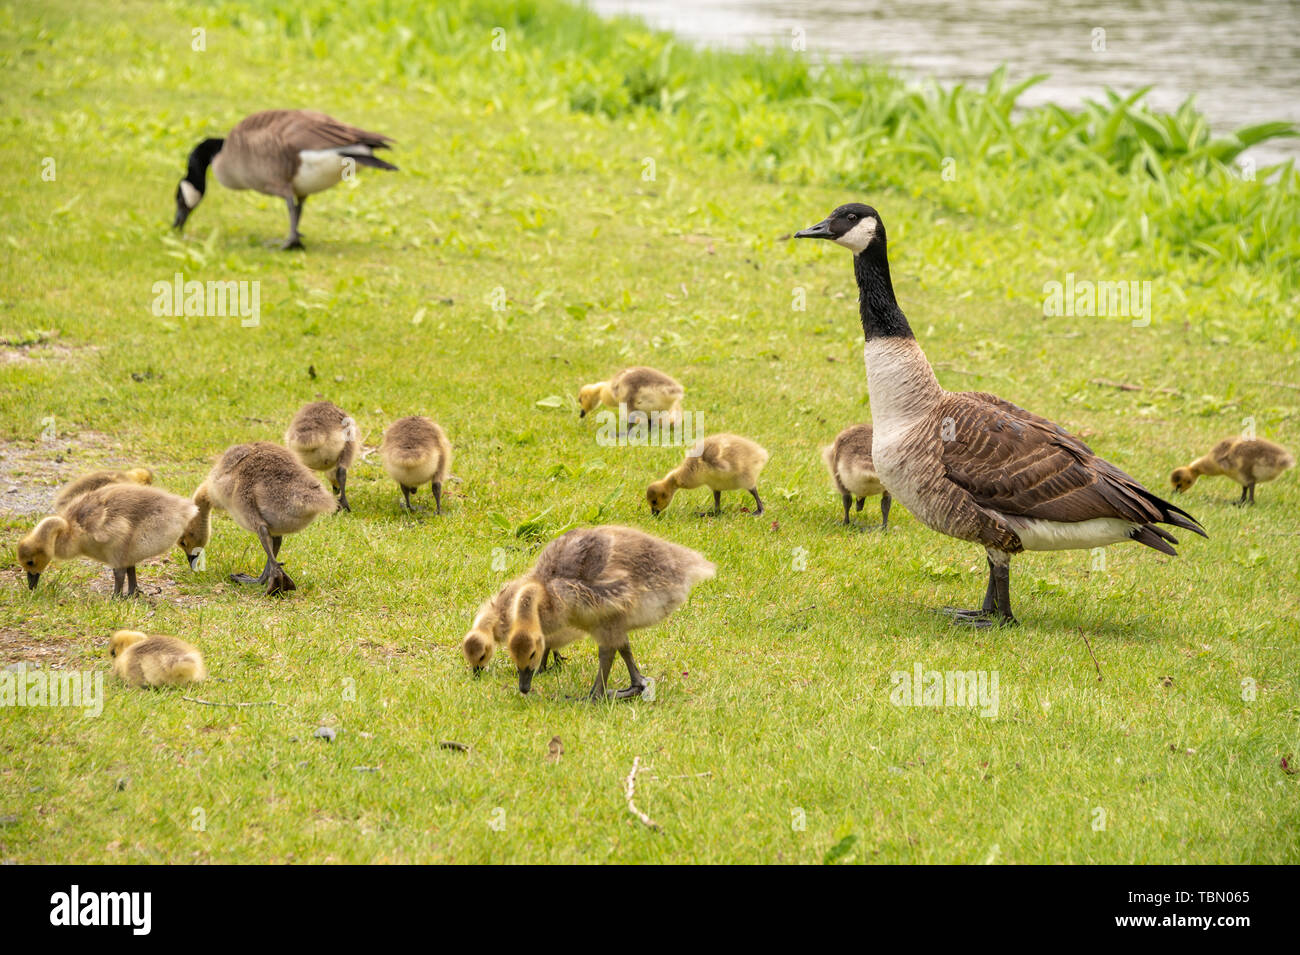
point(771, 735)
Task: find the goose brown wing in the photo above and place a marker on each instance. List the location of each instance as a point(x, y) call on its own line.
point(308, 129)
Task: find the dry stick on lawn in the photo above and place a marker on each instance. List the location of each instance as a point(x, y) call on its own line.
point(195, 699)
point(1125, 386)
point(452, 744)
point(629, 790)
point(1090, 653)
point(1275, 384)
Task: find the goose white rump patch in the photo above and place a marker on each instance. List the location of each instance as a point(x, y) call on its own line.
point(319, 169)
point(1037, 534)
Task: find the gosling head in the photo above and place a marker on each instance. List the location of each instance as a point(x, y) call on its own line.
point(855, 226)
point(659, 494)
point(140, 475)
point(1182, 479)
point(526, 648)
point(195, 536)
point(190, 190)
point(478, 648)
point(36, 550)
point(122, 639)
point(588, 399)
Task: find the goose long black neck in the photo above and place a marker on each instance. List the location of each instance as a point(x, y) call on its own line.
point(200, 159)
point(881, 316)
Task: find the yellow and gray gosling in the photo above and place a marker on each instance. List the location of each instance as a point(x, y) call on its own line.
point(1248, 461)
point(416, 450)
point(325, 438)
point(119, 525)
point(491, 627)
point(143, 659)
point(721, 462)
point(603, 581)
point(94, 480)
point(643, 390)
point(266, 491)
point(852, 472)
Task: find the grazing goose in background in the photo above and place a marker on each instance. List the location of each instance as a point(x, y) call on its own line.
point(118, 524)
point(97, 479)
point(971, 465)
point(491, 627)
point(849, 461)
point(640, 389)
point(1248, 461)
point(603, 581)
point(143, 659)
point(415, 450)
point(290, 153)
point(267, 492)
point(721, 462)
point(325, 438)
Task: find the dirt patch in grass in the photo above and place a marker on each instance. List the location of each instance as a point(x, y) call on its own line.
point(19, 646)
point(30, 474)
point(39, 346)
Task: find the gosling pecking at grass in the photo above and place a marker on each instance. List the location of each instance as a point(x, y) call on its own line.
point(1248, 461)
point(416, 450)
point(143, 659)
point(290, 153)
point(267, 492)
point(972, 465)
point(603, 581)
point(118, 524)
point(97, 479)
point(491, 627)
point(721, 462)
point(853, 474)
point(641, 390)
point(325, 438)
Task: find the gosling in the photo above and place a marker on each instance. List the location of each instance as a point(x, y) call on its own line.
point(852, 472)
point(1248, 461)
point(641, 390)
point(325, 438)
point(490, 629)
point(722, 462)
point(142, 659)
point(267, 492)
point(97, 479)
point(118, 524)
point(603, 581)
point(415, 450)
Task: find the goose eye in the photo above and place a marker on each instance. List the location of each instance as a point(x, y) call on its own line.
point(851, 216)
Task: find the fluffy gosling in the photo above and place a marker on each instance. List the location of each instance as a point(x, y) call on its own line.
point(142, 659)
point(641, 389)
point(604, 581)
point(1248, 461)
point(491, 627)
point(415, 450)
point(97, 479)
point(722, 462)
point(325, 438)
point(118, 524)
point(852, 472)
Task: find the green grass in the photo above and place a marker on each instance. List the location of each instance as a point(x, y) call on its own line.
point(773, 684)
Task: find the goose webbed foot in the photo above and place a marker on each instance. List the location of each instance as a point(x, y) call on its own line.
point(636, 689)
point(293, 243)
point(279, 582)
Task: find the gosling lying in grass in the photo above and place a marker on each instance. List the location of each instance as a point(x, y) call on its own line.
point(118, 524)
point(416, 450)
point(853, 473)
point(640, 389)
point(722, 462)
point(491, 627)
point(142, 659)
point(325, 438)
point(603, 581)
point(1248, 461)
point(97, 479)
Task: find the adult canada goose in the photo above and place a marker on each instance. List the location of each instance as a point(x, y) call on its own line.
point(853, 473)
point(721, 462)
point(416, 450)
point(971, 465)
point(491, 627)
point(266, 491)
point(325, 438)
point(604, 581)
point(640, 389)
point(143, 659)
point(97, 479)
point(118, 524)
point(1248, 461)
point(290, 153)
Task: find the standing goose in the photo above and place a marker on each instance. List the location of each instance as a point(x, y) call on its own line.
point(290, 153)
point(325, 438)
point(971, 465)
point(267, 492)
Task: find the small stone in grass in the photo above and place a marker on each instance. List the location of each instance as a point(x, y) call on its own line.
point(325, 733)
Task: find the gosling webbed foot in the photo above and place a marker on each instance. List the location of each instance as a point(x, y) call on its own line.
point(636, 689)
point(247, 579)
point(279, 582)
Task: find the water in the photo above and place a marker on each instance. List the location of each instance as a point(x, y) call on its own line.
point(1241, 58)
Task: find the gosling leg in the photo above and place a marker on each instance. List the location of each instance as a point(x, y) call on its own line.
point(637, 682)
point(341, 485)
point(406, 496)
point(598, 689)
point(757, 500)
point(437, 496)
point(717, 503)
point(848, 501)
point(885, 502)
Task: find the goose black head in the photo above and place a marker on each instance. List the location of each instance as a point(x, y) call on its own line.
point(854, 226)
point(190, 190)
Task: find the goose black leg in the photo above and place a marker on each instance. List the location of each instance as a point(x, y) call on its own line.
point(757, 500)
point(602, 676)
point(294, 241)
point(1252, 495)
point(119, 578)
point(848, 500)
point(437, 496)
point(636, 681)
point(406, 496)
point(717, 503)
point(131, 588)
point(1241, 501)
point(984, 616)
point(341, 486)
point(885, 502)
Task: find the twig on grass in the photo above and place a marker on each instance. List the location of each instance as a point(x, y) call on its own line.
point(629, 790)
point(1275, 384)
point(1126, 386)
point(452, 744)
point(1090, 653)
point(195, 699)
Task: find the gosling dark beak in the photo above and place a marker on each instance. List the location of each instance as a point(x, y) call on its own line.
point(31, 580)
point(582, 413)
point(821, 230)
point(191, 558)
point(655, 512)
point(182, 213)
point(478, 672)
point(525, 680)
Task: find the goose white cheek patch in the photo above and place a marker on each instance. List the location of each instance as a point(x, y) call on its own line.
point(190, 194)
point(859, 237)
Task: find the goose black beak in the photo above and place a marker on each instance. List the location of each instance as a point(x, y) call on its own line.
point(31, 580)
point(182, 213)
point(525, 680)
point(821, 230)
